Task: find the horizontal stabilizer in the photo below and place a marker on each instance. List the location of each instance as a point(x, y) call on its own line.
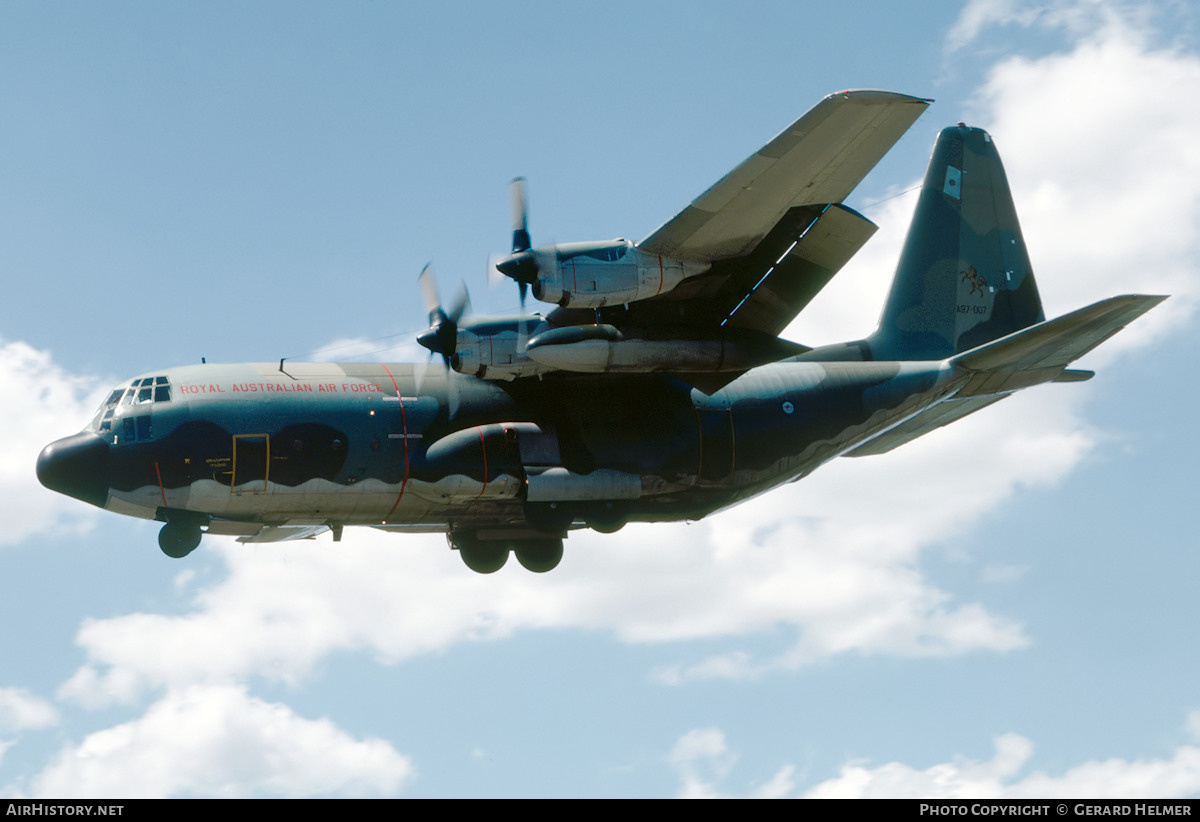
point(1042, 352)
point(941, 414)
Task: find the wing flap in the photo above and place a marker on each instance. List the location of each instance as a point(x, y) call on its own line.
point(805, 268)
point(761, 292)
point(819, 159)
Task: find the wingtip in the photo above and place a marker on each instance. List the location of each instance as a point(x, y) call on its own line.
point(1148, 300)
point(875, 95)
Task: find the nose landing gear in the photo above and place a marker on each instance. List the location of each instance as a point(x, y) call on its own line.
point(178, 539)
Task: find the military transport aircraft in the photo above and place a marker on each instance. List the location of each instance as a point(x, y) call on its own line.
point(658, 389)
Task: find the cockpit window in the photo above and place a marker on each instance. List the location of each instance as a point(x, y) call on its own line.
point(102, 421)
point(140, 392)
point(152, 389)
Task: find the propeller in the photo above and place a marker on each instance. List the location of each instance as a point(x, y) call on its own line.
point(521, 264)
point(442, 335)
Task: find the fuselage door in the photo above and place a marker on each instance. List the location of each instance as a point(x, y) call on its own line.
point(251, 461)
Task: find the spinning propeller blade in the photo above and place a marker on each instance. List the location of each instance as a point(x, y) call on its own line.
point(521, 265)
point(520, 216)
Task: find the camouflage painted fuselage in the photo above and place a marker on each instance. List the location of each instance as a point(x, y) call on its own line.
point(343, 444)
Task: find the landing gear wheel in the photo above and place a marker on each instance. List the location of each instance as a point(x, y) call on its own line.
point(178, 540)
point(483, 557)
point(607, 517)
point(606, 526)
point(539, 555)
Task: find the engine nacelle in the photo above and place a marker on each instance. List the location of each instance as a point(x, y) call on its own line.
point(601, 347)
point(592, 275)
point(495, 349)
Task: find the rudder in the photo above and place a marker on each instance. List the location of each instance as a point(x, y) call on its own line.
point(964, 277)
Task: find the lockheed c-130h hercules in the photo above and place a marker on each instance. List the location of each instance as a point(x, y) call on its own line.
point(657, 390)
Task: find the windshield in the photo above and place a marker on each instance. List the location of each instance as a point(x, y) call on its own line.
point(139, 392)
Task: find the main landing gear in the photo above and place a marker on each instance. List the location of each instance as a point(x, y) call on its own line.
point(485, 556)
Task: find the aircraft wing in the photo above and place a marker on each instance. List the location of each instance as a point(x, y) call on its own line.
point(774, 228)
point(773, 231)
point(818, 159)
point(762, 291)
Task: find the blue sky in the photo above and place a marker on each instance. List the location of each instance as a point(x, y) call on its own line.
point(1004, 608)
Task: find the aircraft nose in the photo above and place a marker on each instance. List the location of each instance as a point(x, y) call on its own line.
point(76, 466)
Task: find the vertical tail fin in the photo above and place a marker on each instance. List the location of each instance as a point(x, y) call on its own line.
point(964, 276)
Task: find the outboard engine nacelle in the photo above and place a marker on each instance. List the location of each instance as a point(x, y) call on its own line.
point(592, 275)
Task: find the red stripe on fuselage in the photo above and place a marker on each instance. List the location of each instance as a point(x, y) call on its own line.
point(483, 446)
point(403, 422)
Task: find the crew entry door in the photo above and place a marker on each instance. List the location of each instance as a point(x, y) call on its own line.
point(251, 463)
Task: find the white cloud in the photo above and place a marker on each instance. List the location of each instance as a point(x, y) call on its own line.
point(959, 779)
point(1098, 144)
point(703, 762)
point(1075, 18)
point(219, 741)
point(399, 347)
point(844, 579)
point(701, 758)
point(1177, 775)
point(42, 403)
point(21, 710)
point(980, 14)
point(1101, 153)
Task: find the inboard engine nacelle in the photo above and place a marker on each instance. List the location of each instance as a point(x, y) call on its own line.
point(495, 349)
point(603, 348)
